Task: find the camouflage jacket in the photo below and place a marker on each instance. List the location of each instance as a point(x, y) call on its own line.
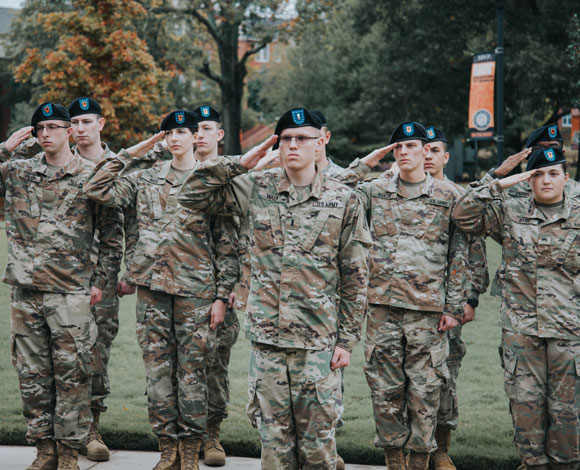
point(350, 176)
point(541, 281)
point(50, 226)
point(418, 258)
point(522, 190)
point(304, 251)
point(477, 258)
point(179, 251)
point(111, 257)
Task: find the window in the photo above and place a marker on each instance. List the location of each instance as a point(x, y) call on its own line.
point(567, 120)
point(263, 56)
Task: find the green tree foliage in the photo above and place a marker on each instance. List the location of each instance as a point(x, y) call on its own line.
point(99, 54)
point(374, 64)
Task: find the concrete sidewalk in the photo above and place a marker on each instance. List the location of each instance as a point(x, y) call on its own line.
point(18, 458)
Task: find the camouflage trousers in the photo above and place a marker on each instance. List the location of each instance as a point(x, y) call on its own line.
point(405, 367)
point(449, 407)
point(53, 337)
point(542, 384)
point(106, 315)
point(175, 339)
point(292, 397)
point(218, 382)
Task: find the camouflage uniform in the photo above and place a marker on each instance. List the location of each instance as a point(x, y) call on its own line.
point(106, 312)
point(173, 265)
point(418, 272)
point(448, 414)
point(50, 227)
point(539, 317)
point(305, 247)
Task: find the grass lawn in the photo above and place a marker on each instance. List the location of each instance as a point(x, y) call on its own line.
point(483, 440)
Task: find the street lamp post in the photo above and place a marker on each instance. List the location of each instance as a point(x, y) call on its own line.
point(500, 6)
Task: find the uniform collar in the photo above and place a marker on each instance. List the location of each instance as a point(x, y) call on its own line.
point(73, 167)
point(284, 184)
point(534, 212)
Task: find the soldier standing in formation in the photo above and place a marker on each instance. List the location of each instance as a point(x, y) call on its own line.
point(309, 244)
point(416, 293)
point(436, 158)
point(539, 314)
point(51, 226)
point(184, 267)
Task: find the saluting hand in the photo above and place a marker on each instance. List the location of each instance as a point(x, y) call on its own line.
point(271, 160)
point(511, 162)
point(140, 149)
point(17, 138)
point(515, 179)
point(374, 158)
point(251, 158)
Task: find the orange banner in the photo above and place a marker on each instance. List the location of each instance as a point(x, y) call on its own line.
point(481, 94)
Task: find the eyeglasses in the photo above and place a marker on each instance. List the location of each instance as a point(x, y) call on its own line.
point(300, 139)
point(50, 128)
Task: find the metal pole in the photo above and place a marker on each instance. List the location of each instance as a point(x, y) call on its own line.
point(499, 82)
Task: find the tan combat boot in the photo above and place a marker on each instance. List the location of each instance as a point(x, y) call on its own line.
point(97, 451)
point(418, 461)
point(46, 456)
point(68, 458)
point(339, 463)
point(169, 455)
point(395, 459)
point(214, 454)
point(189, 449)
point(441, 457)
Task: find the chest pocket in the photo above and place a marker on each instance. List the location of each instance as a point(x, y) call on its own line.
point(153, 197)
point(523, 241)
point(383, 214)
point(72, 191)
point(312, 236)
point(267, 227)
point(569, 253)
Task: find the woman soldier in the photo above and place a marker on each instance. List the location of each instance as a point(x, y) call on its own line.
point(185, 268)
point(539, 317)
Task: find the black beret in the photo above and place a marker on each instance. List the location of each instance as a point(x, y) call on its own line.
point(297, 117)
point(545, 157)
point(84, 106)
point(544, 134)
point(48, 112)
point(322, 118)
point(180, 118)
point(207, 113)
point(435, 135)
point(408, 130)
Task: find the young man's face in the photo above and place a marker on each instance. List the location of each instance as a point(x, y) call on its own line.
point(325, 133)
point(298, 147)
point(436, 157)
point(548, 184)
point(208, 136)
point(53, 134)
point(86, 129)
point(410, 155)
point(180, 141)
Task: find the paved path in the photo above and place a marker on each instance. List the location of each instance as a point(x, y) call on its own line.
point(18, 458)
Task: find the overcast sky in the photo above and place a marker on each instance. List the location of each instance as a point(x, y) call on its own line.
point(11, 3)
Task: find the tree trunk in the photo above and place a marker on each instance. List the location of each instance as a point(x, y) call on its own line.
point(232, 88)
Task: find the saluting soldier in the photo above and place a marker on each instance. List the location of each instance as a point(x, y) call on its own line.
point(183, 263)
point(50, 225)
point(539, 316)
point(308, 245)
point(417, 291)
point(436, 158)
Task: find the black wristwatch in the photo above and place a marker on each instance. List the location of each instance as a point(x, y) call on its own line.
point(224, 300)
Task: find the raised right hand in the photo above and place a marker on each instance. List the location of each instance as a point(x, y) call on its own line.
point(140, 149)
point(17, 138)
point(511, 162)
point(251, 158)
point(515, 179)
